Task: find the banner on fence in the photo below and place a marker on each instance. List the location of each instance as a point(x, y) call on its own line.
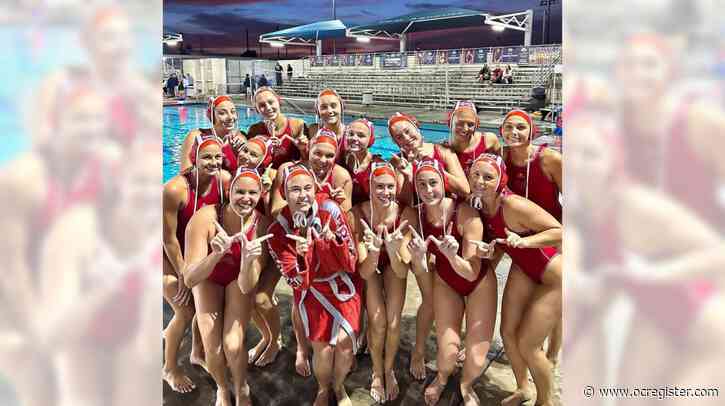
point(395, 60)
point(364, 60)
point(454, 56)
point(481, 55)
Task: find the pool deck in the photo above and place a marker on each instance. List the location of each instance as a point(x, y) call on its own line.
point(307, 106)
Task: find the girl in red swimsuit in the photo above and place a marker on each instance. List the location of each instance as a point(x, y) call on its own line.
point(532, 298)
point(359, 137)
point(290, 132)
point(223, 116)
point(331, 179)
point(330, 109)
point(224, 258)
point(378, 223)
point(196, 187)
point(462, 284)
point(256, 153)
point(315, 252)
point(407, 136)
point(535, 172)
point(464, 140)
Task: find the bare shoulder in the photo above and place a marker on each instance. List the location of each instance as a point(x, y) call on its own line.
point(23, 181)
point(176, 188)
point(192, 134)
point(342, 173)
point(467, 214)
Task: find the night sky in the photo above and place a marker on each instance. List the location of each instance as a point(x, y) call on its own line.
point(221, 26)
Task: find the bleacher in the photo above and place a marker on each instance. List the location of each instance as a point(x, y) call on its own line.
point(425, 88)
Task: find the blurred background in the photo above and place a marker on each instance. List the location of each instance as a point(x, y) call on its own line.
point(80, 163)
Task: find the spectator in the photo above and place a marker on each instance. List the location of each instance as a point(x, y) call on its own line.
point(497, 76)
point(189, 85)
point(484, 75)
point(508, 75)
point(263, 81)
point(278, 74)
point(171, 85)
point(182, 89)
point(247, 84)
point(289, 72)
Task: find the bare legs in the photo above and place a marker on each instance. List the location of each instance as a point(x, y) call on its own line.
point(385, 297)
point(423, 324)
point(174, 333)
point(525, 326)
point(331, 366)
point(266, 317)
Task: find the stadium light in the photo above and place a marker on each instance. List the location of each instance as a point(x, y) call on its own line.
point(363, 39)
point(498, 27)
point(276, 44)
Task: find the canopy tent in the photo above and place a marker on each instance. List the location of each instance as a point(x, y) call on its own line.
point(397, 27)
point(307, 34)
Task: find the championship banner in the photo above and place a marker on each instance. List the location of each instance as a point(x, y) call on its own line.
point(426, 58)
point(364, 60)
point(335, 60)
point(317, 61)
point(480, 55)
point(442, 57)
point(454, 56)
point(469, 56)
point(523, 55)
point(509, 55)
point(393, 61)
point(348, 60)
point(327, 60)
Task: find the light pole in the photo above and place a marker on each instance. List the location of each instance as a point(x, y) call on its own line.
point(546, 22)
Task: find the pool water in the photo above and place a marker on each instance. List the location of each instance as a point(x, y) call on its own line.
point(179, 120)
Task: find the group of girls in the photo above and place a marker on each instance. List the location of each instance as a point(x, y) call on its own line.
point(343, 227)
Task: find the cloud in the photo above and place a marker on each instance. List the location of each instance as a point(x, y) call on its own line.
point(228, 23)
point(171, 3)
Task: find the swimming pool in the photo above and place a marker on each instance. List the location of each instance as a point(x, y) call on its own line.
point(179, 120)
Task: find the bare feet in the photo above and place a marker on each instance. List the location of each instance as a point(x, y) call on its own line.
point(178, 381)
point(222, 397)
point(243, 396)
point(198, 358)
point(517, 398)
point(417, 366)
point(470, 398)
point(434, 391)
point(269, 355)
point(323, 398)
point(302, 364)
point(391, 386)
point(255, 352)
point(377, 392)
point(341, 396)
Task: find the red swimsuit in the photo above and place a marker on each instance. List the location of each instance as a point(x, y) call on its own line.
point(445, 270)
point(467, 158)
point(184, 215)
point(227, 269)
point(532, 261)
point(541, 190)
point(361, 182)
point(383, 260)
point(286, 151)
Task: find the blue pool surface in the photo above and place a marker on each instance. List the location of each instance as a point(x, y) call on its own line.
point(179, 120)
